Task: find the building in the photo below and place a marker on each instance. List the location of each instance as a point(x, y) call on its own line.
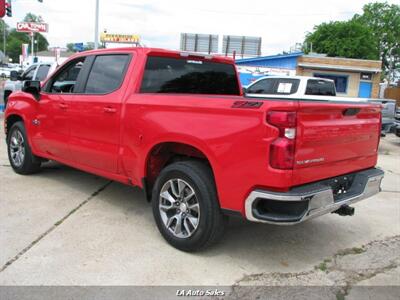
point(353, 77)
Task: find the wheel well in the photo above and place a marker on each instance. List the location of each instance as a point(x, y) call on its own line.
point(11, 120)
point(164, 154)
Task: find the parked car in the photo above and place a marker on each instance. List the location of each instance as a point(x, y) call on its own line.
point(34, 72)
point(388, 114)
point(397, 122)
point(313, 88)
point(176, 125)
point(293, 86)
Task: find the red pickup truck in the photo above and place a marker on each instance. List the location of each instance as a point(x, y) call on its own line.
point(177, 125)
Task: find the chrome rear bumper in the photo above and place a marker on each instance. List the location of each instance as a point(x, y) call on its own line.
point(312, 200)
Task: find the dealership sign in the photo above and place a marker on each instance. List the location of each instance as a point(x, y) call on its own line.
point(32, 27)
point(119, 38)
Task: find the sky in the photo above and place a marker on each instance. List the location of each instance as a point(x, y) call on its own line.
point(280, 23)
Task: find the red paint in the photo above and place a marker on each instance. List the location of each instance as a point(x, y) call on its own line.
point(2, 8)
point(118, 135)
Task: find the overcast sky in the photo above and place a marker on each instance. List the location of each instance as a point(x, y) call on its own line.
point(280, 23)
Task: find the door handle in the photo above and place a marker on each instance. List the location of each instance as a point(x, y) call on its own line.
point(63, 105)
point(109, 110)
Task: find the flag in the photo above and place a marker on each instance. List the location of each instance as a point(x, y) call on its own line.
point(24, 51)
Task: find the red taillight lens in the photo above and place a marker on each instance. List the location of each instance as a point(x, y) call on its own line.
point(282, 119)
point(283, 148)
point(282, 154)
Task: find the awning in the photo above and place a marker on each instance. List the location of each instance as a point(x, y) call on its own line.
point(338, 67)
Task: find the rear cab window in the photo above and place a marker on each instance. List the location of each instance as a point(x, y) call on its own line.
point(275, 86)
point(189, 76)
point(317, 87)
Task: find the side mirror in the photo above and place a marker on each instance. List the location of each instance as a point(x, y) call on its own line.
point(32, 87)
point(244, 90)
point(14, 75)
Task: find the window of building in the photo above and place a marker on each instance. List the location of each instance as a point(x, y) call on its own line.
point(340, 81)
point(186, 76)
point(106, 74)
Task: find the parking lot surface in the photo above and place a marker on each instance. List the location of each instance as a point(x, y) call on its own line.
point(66, 227)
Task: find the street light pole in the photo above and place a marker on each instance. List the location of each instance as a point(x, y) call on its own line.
point(96, 27)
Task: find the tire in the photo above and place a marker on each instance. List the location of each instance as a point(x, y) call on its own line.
point(19, 152)
point(185, 178)
point(5, 98)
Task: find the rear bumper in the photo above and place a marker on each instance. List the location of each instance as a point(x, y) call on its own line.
point(312, 200)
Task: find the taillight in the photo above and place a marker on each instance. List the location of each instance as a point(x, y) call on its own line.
point(283, 148)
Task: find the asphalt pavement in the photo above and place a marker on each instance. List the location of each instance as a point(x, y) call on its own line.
point(66, 227)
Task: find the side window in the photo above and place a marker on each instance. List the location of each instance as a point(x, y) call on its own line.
point(65, 80)
point(106, 74)
point(286, 86)
point(42, 72)
point(320, 88)
point(264, 86)
point(28, 75)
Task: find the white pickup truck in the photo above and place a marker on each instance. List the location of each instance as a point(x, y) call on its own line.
point(312, 88)
point(35, 72)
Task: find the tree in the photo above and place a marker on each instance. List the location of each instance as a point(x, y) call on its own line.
point(383, 20)
point(343, 38)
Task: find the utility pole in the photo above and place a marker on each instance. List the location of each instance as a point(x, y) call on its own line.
point(4, 38)
point(96, 26)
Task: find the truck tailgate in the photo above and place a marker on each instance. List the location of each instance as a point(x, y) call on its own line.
point(335, 139)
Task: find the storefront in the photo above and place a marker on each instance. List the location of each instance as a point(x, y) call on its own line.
point(353, 77)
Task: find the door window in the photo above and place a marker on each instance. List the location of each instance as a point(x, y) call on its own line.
point(275, 86)
point(106, 74)
point(42, 72)
point(65, 80)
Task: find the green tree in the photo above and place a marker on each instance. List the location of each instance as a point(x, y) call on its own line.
point(343, 38)
point(383, 20)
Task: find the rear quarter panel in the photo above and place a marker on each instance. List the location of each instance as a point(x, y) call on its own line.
point(235, 140)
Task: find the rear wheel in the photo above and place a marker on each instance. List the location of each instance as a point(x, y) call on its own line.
point(185, 206)
point(19, 152)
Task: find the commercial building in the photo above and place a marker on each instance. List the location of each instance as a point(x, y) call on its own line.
point(353, 77)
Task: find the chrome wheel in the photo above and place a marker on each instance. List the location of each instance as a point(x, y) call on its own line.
point(17, 148)
point(179, 208)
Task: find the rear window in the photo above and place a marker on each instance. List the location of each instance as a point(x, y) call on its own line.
point(275, 86)
point(320, 88)
point(188, 76)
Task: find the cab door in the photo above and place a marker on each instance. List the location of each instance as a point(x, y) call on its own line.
point(95, 114)
point(51, 129)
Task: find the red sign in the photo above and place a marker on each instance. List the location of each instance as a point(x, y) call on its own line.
point(31, 27)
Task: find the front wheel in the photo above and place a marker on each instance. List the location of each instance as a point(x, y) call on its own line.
point(19, 152)
point(185, 206)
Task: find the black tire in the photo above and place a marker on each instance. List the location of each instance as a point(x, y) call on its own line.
point(5, 98)
point(211, 223)
point(30, 163)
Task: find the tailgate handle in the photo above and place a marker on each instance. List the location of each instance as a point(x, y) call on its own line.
point(351, 111)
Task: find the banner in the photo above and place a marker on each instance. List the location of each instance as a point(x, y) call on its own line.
point(24, 52)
